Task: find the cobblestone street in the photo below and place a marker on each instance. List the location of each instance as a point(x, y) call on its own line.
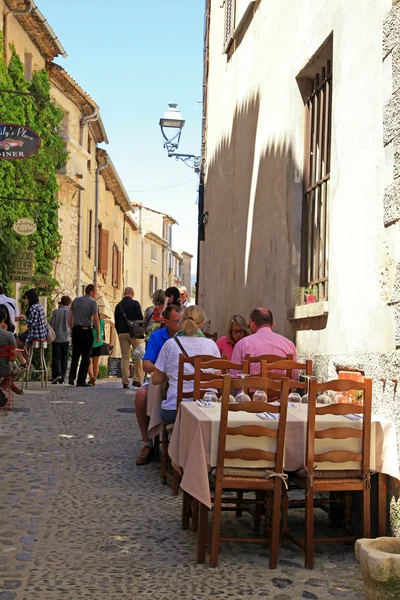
point(79, 520)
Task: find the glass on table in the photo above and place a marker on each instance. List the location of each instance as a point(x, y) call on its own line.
point(242, 397)
point(323, 399)
point(260, 396)
point(304, 399)
point(294, 399)
point(210, 397)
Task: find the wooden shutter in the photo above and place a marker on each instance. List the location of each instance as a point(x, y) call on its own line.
point(119, 268)
point(229, 22)
point(103, 251)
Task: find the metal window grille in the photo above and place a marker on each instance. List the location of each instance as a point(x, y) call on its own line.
point(316, 182)
point(230, 6)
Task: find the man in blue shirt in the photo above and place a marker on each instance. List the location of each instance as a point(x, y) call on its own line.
point(172, 318)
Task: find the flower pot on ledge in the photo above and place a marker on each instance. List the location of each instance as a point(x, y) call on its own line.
point(380, 567)
point(310, 299)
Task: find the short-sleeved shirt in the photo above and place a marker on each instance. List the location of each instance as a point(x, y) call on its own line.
point(59, 322)
point(168, 363)
point(83, 309)
point(155, 343)
point(12, 307)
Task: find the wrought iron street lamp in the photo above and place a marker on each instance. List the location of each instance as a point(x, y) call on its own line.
point(171, 125)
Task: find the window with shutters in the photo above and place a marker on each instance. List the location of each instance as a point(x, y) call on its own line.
point(116, 266)
point(103, 250)
point(89, 233)
point(152, 285)
point(316, 176)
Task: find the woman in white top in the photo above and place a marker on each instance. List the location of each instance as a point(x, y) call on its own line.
point(193, 342)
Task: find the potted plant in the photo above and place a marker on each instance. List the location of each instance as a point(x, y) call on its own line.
point(310, 294)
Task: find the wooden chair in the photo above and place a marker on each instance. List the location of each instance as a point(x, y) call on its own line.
point(166, 475)
point(313, 480)
point(7, 352)
point(265, 358)
point(287, 367)
point(251, 479)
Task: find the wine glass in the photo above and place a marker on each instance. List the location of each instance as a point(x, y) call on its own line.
point(242, 397)
point(295, 398)
point(323, 399)
point(260, 396)
point(210, 397)
point(304, 399)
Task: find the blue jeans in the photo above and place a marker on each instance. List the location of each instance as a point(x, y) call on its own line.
point(168, 416)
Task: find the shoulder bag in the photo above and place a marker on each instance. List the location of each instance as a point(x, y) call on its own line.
point(134, 327)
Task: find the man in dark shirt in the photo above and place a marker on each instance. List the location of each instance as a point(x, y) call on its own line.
point(133, 312)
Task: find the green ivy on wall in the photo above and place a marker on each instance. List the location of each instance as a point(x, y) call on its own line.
point(33, 177)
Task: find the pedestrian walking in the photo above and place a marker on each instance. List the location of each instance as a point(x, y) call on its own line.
point(95, 354)
point(83, 315)
point(60, 346)
point(126, 311)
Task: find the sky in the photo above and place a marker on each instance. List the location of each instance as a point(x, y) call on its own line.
point(134, 58)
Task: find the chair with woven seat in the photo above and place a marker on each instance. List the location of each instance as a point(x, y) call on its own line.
point(261, 479)
point(331, 445)
point(167, 429)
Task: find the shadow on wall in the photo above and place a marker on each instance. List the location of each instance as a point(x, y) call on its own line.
point(250, 255)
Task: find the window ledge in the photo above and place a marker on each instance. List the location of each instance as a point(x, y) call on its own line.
point(308, 311)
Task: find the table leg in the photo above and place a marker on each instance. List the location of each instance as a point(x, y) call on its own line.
point(202, 534)
point(382, 504)
point(186, 509)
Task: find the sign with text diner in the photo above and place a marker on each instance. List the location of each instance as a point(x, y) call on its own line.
point(23, 266)
point(17, 141)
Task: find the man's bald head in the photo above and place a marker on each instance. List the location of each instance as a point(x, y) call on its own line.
point(261, 317)
point(129, 292)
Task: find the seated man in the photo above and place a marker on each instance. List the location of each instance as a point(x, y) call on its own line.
point(172, 318)
point(8, 370)
point(262, 341)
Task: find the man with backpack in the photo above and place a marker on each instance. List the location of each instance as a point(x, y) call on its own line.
point(127, 313)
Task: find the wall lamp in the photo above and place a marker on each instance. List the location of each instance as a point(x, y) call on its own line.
point(171, 125)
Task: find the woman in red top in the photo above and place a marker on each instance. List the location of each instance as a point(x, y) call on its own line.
point(237, 330)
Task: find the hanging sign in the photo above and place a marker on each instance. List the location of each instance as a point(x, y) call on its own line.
point(22, 266)
point(24, 226)
point(17, 141)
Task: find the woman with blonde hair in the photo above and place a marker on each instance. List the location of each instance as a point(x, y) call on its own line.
point(237, 330)
point(190, 341)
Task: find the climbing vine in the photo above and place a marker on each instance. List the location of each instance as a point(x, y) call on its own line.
point(33, 177)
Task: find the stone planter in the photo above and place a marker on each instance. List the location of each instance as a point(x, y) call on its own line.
point(380, 567)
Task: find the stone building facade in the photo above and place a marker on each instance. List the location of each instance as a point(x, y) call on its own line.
point(263, 141)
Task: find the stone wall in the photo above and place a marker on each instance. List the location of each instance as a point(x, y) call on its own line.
point(68, 218)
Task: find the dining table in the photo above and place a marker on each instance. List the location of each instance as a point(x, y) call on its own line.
point(194, 443)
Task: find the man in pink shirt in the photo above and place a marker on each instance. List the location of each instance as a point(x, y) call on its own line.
point(262, 341)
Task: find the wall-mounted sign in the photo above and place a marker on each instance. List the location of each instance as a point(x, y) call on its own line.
point(23, 265)
point(24, 226)
point(17, 141)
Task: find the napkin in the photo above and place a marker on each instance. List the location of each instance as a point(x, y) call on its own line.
point(205, 403)
point(268, 416)
point(354, 417)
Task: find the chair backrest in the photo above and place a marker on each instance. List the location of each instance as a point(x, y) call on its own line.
point(339, 434)
point(211, 336)
point(274, 429)
point(182, 376)
point(265, 358)
point(286, 367)
point(7, 352)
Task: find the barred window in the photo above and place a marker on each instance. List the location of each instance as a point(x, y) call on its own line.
point(317, 163)
point(230, 6)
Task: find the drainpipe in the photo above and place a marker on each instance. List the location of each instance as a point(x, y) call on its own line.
point(26, 11)
point(84, 121)
point(96, 221)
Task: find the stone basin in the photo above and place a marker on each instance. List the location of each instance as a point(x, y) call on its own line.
point(380, 567)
